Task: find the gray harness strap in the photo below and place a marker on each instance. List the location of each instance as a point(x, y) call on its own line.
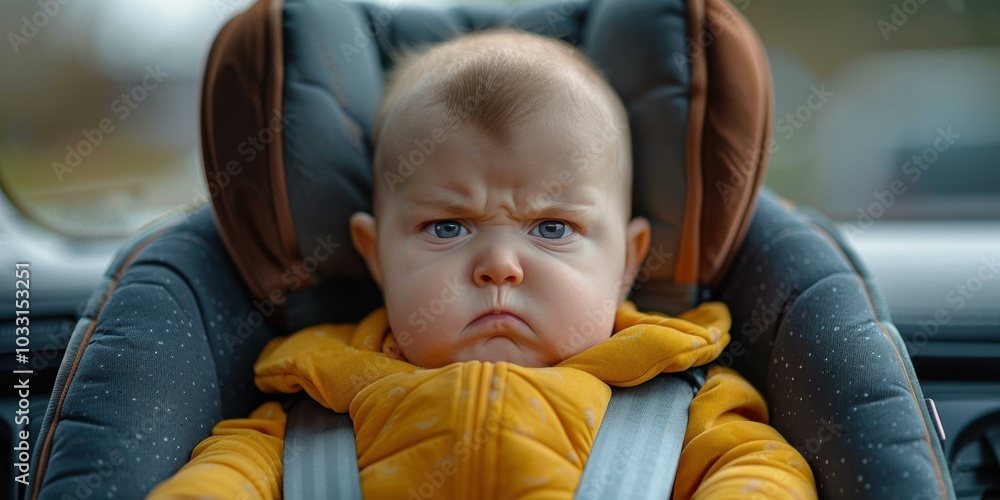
point(635, 454)
point(320, 458)
point(639, 443)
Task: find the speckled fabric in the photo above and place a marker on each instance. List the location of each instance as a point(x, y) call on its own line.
point(817, 342)
point(166, 360)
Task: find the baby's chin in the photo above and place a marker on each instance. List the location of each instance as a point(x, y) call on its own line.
point(500, 349)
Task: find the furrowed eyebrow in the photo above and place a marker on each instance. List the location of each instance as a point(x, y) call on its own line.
point(563, 208)
point(551, 209)
point(575, 212)
point(442, 203)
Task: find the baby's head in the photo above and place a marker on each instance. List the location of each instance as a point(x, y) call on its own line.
point(502, 226)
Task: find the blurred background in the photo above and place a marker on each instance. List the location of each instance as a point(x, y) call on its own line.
point(887, 119)
point(99, 107)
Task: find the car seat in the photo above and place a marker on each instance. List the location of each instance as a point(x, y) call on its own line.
point(165, 349)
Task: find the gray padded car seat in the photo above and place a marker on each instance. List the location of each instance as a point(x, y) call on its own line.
point(165, 349)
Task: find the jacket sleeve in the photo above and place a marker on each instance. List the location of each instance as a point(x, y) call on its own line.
point(729, 451)
point(241, 459)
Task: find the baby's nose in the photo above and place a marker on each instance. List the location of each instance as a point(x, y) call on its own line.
point(498, 266)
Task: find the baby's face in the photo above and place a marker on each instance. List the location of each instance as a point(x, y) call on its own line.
point(515, 252)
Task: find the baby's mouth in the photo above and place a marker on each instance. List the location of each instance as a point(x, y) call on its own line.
point(496, 316)
point(499, 321)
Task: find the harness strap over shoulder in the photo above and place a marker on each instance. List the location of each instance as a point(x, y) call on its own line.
point(320, 458)
point(635, 453)
point(639, 443)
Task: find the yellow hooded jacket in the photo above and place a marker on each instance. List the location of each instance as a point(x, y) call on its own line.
point(497, 430)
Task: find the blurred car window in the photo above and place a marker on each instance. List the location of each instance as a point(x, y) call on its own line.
point(885, 109)
point(99, 123)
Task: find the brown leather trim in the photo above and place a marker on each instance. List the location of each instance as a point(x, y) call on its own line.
point(687, 257)
point(240, 33)
point(737, 136)
point(242, 119)
point(43, 458)
point(276, 156)
point(899, 356)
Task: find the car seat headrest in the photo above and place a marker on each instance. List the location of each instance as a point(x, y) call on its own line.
point(289, 99)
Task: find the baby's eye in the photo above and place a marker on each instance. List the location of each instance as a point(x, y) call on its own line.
point(551, 229)
point(447, 229)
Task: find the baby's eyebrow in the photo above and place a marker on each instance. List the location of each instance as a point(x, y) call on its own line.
point(531, 210)
point(449, 205)
point(561, 208)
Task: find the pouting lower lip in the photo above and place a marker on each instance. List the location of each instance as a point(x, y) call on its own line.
point(501, 316)
point(503, 324)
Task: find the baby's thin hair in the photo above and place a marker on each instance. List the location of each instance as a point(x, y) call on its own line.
point(495, 87)
point(497, 92)
point(498, 80)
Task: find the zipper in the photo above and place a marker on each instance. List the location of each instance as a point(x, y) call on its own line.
point(479, 484)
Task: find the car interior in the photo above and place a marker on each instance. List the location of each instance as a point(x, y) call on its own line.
point(861, 286)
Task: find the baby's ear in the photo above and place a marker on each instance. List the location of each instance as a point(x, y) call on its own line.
point(637, 235)
point(365, 240)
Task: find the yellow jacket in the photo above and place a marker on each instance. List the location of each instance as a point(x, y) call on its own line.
point(497, 430)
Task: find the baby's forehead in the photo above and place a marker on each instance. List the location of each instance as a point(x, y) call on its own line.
point(539, 163)
point(500, 82)
point(496, 77)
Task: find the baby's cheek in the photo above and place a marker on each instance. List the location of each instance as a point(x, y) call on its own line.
point(427, 352)
point(426, 340)
point(589, 323)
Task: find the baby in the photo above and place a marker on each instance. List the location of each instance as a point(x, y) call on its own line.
point(523, 203)
point(503, 243)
